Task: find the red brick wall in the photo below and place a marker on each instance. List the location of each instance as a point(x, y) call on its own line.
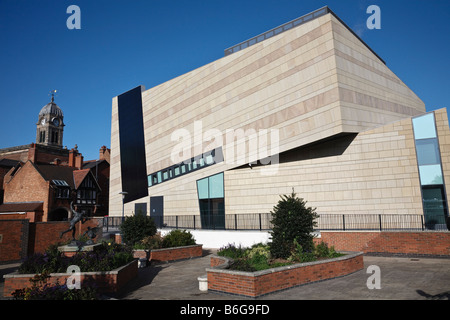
point(27, 185)
point(106, 282)
point(14, 243)
point(420, 243)
point(256, 284)
point(179, 253)
point(43, 234)
point(22, 238)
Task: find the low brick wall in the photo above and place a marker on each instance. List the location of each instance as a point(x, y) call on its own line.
point(107, 282)
point(255, 284)
point(422, 243)
point(21, 238)
point(13, 240)
point(171, 254)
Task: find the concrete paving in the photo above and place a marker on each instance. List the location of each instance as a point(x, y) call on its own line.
point(400, 279)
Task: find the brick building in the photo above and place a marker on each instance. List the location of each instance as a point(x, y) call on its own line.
point(41, 179)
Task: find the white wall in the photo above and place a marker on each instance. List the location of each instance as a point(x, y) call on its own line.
point(215, 239)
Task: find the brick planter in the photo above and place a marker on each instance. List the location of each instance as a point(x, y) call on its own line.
point(255, 284)
point(171, 254)
point(107, 281)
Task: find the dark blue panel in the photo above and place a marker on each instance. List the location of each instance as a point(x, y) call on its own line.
point(132, 145)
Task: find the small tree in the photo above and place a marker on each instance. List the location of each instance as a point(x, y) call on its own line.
point(137, 227)
point(292, 220)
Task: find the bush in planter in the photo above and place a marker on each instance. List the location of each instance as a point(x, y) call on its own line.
point(151, 242)
point(231, 251)
point(137, 227)
point(106, 258)
point(41, 290)
point(178, 238)
point(292, 220)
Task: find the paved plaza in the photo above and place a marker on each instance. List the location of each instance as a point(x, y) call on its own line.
point(400, 279)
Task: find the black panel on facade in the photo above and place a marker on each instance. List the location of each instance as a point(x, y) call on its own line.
point(132, 145)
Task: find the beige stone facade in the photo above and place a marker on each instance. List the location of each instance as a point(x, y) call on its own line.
point(344, 137)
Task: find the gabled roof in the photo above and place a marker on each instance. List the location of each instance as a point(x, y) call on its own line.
point(57, 174)
point(52, 172)
point(92, 163)
point(8, 163)
point(79, 176)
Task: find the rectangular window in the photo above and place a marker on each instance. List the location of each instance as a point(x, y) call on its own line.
point(424, 127)
point(206, 159)
point(430, 175)
point(427, 151)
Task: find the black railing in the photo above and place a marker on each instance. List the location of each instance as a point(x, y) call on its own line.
point(380, 222)
point(325, 222)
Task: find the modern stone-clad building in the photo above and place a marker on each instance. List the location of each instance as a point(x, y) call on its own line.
point(305, 106)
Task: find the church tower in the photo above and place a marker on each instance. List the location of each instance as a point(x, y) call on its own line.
point(50, 126)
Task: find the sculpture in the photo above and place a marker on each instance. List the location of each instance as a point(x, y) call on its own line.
point(91, 233)
point(77, 217)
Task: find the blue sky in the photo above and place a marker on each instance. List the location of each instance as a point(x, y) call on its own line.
point(122, 44)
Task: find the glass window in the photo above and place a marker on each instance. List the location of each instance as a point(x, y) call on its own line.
point(209, 159)
point(176, 171)
point(165, 175)
point(150, 180)
point(159, 175)
point(427, 151)
point(183, 168)
point(202, 187)
point(424, 126)
point(430, 175)
point(216, 186)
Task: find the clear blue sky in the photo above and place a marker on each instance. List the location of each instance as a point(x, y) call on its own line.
point(123, 44)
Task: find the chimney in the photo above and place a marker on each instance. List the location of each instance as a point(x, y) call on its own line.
point(104, 154)
point(32, 153)
point(72, 154)
point(79, 161)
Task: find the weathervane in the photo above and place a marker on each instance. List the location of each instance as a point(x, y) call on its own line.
point(53, 94)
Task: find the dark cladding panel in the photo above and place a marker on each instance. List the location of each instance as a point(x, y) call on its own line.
point(132, 145)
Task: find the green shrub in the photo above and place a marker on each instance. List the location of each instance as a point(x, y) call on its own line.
point(151, 242)
point(322, 250)
point(41, 290)
point(298, 254)
point(105, 258)
point(291, 220)
point(137, 227)
point(231, 251)
point(178, 238)
point(258, 249)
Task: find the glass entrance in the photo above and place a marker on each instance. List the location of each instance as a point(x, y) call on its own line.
point(212, 202)
point(435, 206)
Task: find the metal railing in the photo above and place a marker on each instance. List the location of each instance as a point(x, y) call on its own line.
point(275, 31)
point(380, 222)
point(325, 222)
